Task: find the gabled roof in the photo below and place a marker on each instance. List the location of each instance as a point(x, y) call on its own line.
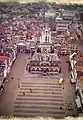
point(2, 58)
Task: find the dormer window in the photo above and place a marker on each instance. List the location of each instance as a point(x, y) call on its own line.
point(46, 31)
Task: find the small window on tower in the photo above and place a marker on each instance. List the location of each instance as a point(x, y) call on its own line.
point(46, 39)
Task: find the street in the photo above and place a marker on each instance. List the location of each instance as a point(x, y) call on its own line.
point(69, 88)
point(24, 96)
point(9, 94)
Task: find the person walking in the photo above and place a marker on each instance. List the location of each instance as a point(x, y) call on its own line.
point(23, 93)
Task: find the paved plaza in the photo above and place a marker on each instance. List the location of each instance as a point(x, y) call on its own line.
point(24, 96)
point(39, 97)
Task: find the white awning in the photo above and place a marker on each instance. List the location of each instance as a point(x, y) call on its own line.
point(78, 103)
point(72, 75)
point(21, 44)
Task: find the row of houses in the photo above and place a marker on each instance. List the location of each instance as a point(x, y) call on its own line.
point(7, 57)
point(76, 62)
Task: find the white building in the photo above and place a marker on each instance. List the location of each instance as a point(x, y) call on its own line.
point(45, 39)
point(50, 13)
point(46, 35)
point(68, 15)
point(62, 25)
point(45, 60)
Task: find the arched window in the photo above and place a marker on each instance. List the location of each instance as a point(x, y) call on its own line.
point(33, 69)
point(41, 64)
point(57, 70)
point(37, 69)
point(47, 64)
